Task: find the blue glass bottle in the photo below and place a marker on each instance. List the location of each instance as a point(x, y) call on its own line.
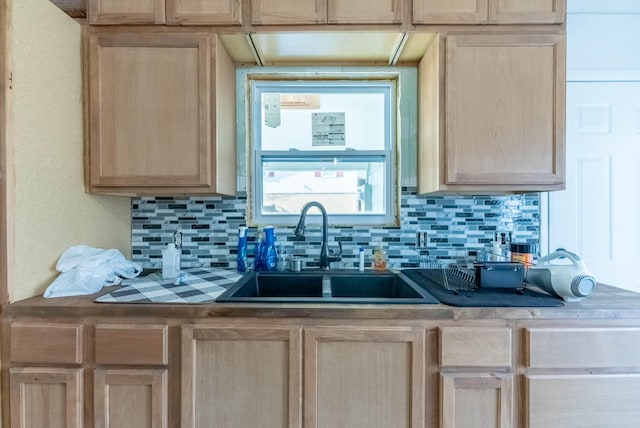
point(270, 255)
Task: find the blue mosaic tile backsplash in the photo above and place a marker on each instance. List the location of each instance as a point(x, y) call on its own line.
point(457, 228)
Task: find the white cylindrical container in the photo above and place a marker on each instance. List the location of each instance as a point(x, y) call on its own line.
point(170, 262)
point(361, 262)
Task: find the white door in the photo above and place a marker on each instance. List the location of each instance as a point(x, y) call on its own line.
point(598, 215)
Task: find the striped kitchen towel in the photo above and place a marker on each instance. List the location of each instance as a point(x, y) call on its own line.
point(197, 285)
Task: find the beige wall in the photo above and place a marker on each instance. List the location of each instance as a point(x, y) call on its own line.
point(50, 209)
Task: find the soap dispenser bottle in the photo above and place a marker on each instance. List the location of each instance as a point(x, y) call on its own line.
point(170, 261)
point(379, 258)
point(496, 250)
point(270, 254)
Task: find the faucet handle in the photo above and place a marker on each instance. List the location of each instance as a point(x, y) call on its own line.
point(336, 256)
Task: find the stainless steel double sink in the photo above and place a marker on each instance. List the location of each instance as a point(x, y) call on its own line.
point(331, 286)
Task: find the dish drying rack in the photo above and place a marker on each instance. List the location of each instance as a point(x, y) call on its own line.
point(450, 276)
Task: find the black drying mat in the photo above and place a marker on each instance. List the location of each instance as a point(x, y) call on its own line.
point(482, 296)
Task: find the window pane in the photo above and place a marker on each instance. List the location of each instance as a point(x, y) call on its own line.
point(343, 186)
point(323, 121)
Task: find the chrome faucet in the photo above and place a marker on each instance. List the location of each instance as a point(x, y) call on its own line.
point(325, 258)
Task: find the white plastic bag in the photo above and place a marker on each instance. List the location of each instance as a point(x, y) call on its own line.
point(85, 270)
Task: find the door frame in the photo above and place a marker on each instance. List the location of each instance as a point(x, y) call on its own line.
point(5, 164)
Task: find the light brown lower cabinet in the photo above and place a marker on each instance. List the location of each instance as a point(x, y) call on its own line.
point(320, 373)
point(130, 398)
point(241, 376)
point(46, 397)
point(579, 375)
point(364, 377)
point(582, 400)
point(476, 378)
point(476, 400)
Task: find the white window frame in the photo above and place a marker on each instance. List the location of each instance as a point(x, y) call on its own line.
point(257, 156)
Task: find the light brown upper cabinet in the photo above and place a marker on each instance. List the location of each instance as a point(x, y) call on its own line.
point(161, 114)
point(488, 11)
point(492, 114)
point(276, 12)
point(204, 12)
point(364, 12)
point(172, 12)
point(111, 12)
point(450, 11)
point(304, 12)
point(527, 11)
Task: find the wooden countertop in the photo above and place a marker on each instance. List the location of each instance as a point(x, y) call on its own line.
point(607, 303)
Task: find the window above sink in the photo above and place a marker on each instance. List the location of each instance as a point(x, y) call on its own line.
point(323, 139)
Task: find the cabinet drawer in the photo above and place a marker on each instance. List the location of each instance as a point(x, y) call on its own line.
point(132, 344)
point(46, 343)
point(577, 401)
point(582, 347)
point(475, 347)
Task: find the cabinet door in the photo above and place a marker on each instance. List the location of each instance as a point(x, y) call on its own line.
point(241, 377)
point(477, 400)
point(125, 12)
point(505, 110)
point(275, 12)
point(204, 12)
point(527, 11)
point(364, 377)
point(130, 398)
point(450, 11)
point(364, 11)
point(152, 113)
point(46, 397)
point(582, 400)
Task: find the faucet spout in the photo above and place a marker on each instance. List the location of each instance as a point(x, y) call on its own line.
point(324, 250)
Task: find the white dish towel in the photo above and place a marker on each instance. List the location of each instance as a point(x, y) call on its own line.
point(85, 270)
